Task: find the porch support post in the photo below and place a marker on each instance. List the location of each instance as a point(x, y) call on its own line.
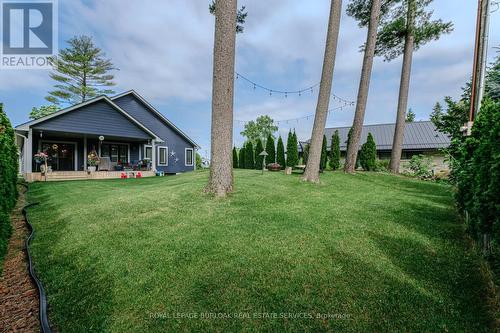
point(29, 152)
point(153, 155)
point(85, 153)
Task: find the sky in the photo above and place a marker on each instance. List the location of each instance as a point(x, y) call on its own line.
point(163, 50)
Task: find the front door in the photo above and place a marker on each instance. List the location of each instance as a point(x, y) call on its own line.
point(61, 155)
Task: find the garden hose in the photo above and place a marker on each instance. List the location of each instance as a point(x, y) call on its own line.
point(44, 320)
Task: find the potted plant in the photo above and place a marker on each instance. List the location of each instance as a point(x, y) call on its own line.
point(92, 161)
point(41, 158)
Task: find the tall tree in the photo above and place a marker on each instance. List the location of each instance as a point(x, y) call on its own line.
point(259, 159)
point(410, 116)
point(324, 154)
point(437, 112)
point(292, 151)
point(241, 161)
point(335, 151)
point(270, 150)
point(249, 156)
point(42, 111)
point(261, 128)
point(235, 158)
point(313, 162)
point(280, 153)
point(364, 83)
point(220, 181)
point(405, 26)
point(81, 72)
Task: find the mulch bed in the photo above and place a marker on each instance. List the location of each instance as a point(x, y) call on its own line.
point(18, 293)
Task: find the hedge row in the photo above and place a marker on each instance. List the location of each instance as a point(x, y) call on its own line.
point(476, 173)
point(8, 179)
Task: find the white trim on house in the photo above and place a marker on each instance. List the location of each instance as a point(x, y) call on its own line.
point(28, 125)
point(185, 156)
point(159, 155)
point(75, 144)
point(158, 113)
point(144, 148)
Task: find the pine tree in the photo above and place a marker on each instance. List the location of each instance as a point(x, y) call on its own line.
point(81, 70)
point(259, 159)
point(241, 162)
point(235, 158)
point(335, 151)
point(292, 153)
point(324, 154)
point(270, 150)
point(368, 155)
point(280, 153)
point(249, 156)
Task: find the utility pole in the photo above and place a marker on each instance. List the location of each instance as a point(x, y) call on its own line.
point(480, 59)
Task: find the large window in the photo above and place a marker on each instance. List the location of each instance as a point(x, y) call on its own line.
point(162, 156)
point(188, 157)
point(148, 152)
point(117, 153)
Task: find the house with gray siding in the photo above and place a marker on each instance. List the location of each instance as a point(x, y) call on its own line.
point(125, 131)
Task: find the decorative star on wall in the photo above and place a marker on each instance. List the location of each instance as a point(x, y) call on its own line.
point(172, 153)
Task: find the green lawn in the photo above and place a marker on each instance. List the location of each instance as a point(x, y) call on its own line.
point(370, 252)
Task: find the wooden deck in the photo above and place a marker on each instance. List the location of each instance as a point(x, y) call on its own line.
point(83, 175)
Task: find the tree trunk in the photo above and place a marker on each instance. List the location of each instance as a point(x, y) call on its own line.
point(397, 144)
point(364, 85)
point(312, 169)
point(220, 181)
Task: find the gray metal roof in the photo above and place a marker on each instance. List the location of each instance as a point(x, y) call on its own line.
point(419, 135)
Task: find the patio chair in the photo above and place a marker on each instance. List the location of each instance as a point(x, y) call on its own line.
point(104, 164)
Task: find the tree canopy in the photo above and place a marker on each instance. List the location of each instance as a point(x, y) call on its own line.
point(43, 111)
point(261, 128)
point(392, 27)
point(81, 72)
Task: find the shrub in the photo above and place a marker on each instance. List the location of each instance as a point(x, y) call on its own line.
point(270, 150)
point(420, 166)
point(476, 171)
point(292, 152)
point(368, 154)
point(259, 159)
point(241, 162)
point(335, 151)
point(382, 165)
point(324, 155)
point(235, 158)
point(249, 156)
point(305, 153)
point(8, 179)
point(280, 153)
point(199, 162)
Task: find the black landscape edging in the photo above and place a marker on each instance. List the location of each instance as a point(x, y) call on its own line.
point(44, 320)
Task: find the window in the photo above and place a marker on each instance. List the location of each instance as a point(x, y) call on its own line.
point(188, 157)
point(162, 156)
point(117, 153)
point(148, 152)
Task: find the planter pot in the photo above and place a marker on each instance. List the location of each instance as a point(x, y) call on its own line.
point(91, 168)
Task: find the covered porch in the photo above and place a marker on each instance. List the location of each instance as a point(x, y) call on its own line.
point(68, 155)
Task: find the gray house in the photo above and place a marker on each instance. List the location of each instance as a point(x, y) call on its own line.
point(125, 131)
point(420, 138)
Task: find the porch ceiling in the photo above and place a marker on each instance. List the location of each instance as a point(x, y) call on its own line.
point(56, 134)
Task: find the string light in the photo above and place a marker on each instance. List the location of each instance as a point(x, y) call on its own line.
point(287, 121)
point(285, 93)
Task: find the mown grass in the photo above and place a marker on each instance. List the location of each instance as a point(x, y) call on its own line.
point(368, 252)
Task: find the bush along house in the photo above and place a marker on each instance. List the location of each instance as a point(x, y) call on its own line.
point(116, 135)
point(420, 138)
